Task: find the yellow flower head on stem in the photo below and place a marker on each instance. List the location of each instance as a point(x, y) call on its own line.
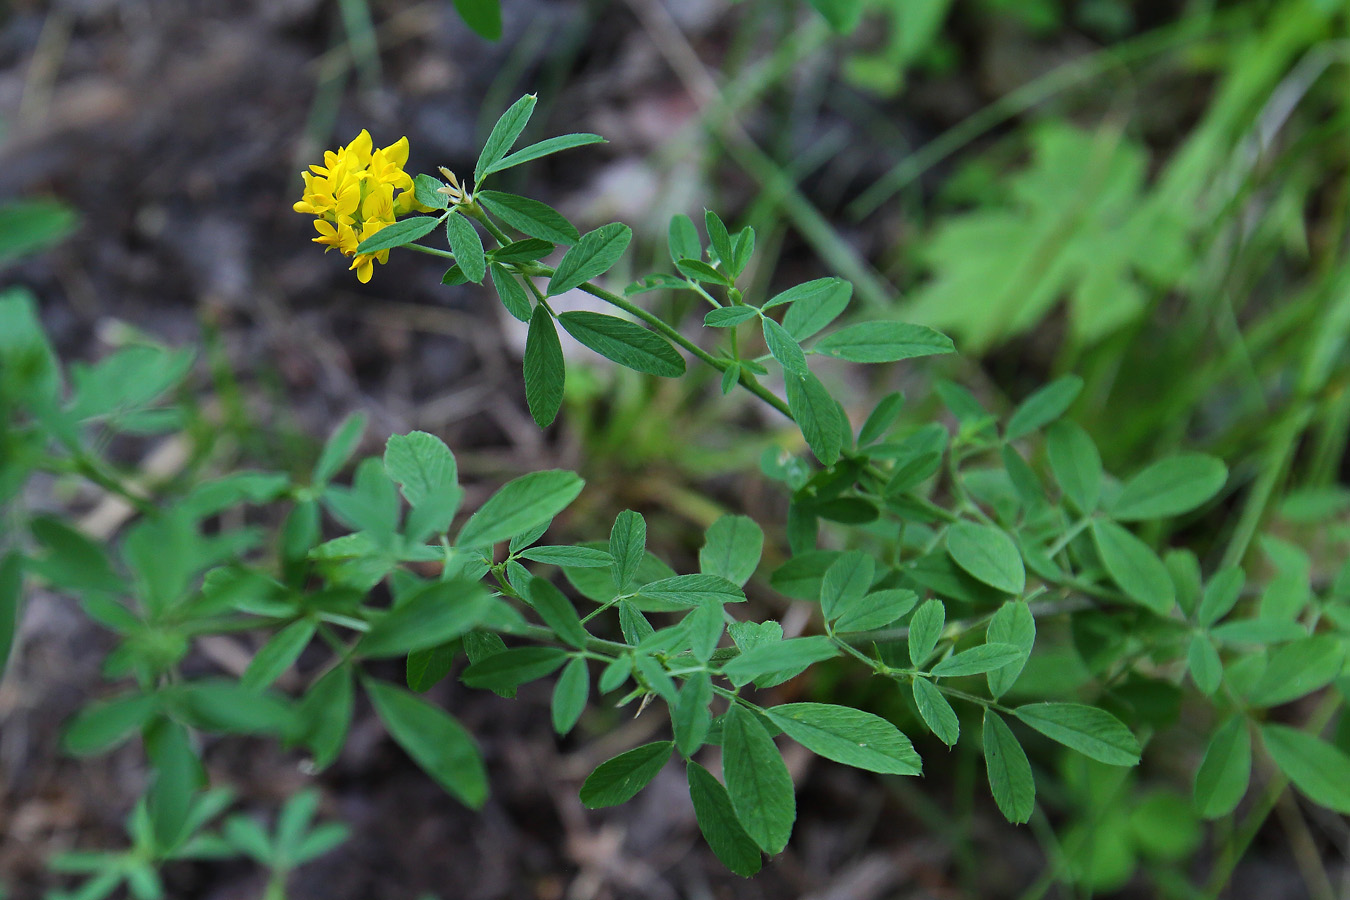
point(357, 191)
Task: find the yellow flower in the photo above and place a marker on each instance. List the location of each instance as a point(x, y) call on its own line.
point(352, 196)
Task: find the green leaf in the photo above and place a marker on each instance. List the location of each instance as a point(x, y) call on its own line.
point(616, 674)
point(1043, 407)
point(593, 255)
point(28, 366)
point(478, 646)
point(27, 226)
point(1221, 781)
point(1093, 732)
point(73, 560)
point(435, 614)
point(1204, 664)
point(421, 464)
point(1316, 768)
point(1012, 624)
point(875, 610)
point(1134, 566)
point(321, 840)
point(521, 504)
point(526, 250)
point(467, 247)
point(881, 419)
point(11, 592)
point(718, 238)
point(1025, 482)
point(570, 695)
point(683, 239)
point(655, 675)
point(719, 825)
point(846, 581)
point(427, 190)
point(817, 415)
point(749, 635)
point(817, 304)
point(729, 316)
point(624, 342)
point(619, 779)
point(936, 712)
point(743, 250)
point(977, 660)
point(698, 270)
point(557, 612)
point(1220, 596)
point(911, 471)
point(483, 16)
point(277, 655)
point(758, 782)
point(843, 15)
point(627, 547)
point(784, 348)
point(339, 448)
point(511, 292)
point(1170, 487)
point(691, 590)
point(988, 554)
point(370, 504)
point(545, 370)
point(705, 626)
point(1076, 463)
point(177, 774)
point(882, 342)
point(512, 122)
point(731, 549)
point(249, 838)
point(544, 148)
point(227, 706)
point(99, 727)
point(579, 557)
point(324, 715)
point(435, 741)
point(1298, 669)
point(633, 623)
point(924, 630)
point(1258, 631)
point(767, 659)
point(530, 216)
point(1010, 778)
point(1184, 567)
point(404, 231)
point(514, 667)
point(426, 667)
point(849, 736)
point(690, 716)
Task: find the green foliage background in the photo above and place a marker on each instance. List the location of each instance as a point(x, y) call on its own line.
point(1146, 549)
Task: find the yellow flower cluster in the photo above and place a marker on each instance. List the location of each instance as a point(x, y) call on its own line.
point(352, 196)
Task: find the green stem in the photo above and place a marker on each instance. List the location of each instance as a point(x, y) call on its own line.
point(748, 380)
point(473, 210)
point(430, 251)
point(1074, 530)
point(90, 468)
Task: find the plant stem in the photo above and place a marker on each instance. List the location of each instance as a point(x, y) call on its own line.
point(475, 211)
point(748, 380)
point(431, 251)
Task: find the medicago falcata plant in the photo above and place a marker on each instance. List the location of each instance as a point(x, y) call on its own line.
point(933, 560)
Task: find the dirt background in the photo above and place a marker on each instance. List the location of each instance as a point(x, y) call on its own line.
point(178, 128)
